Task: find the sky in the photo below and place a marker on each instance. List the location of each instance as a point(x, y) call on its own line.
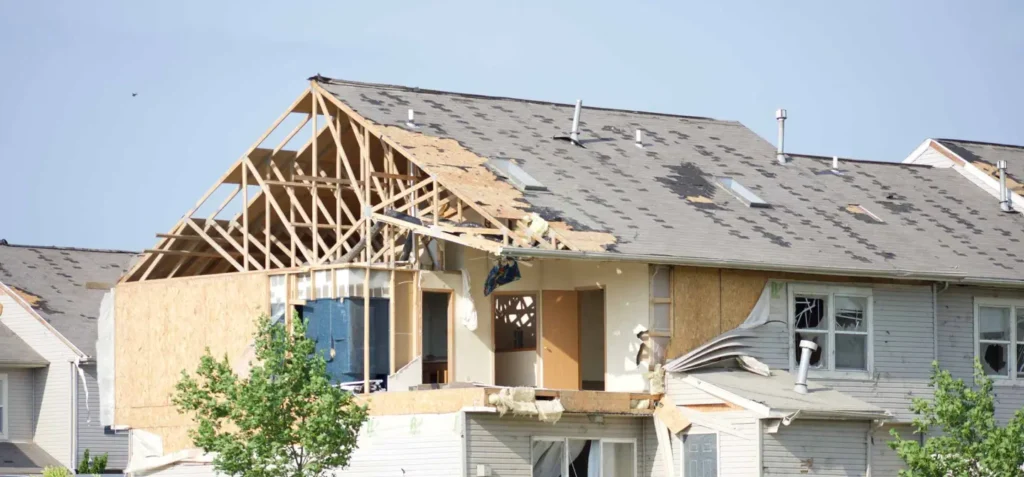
point(83, 163)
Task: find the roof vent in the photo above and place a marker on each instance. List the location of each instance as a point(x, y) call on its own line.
point(516, 175)
point(639, 139)
point(574, 134)
point(806, 348)
point(1005, 202)
point(749, 198)
point(835, 163)
point(411, 122)
point(780, 154)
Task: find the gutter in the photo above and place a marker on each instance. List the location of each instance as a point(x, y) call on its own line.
point(958, 278)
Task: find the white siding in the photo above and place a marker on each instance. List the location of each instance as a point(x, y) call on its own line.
point(903, 347)
point(182, 469)
point(932, 158)
point(410, 446)
point(504, 443)
point(956, 341)
point(884, 461)
point(737, 451)
point(53, 388)
point(653, 464)
point(21, 398)
point(832, 448)
point(682, 393)
point(90, 430)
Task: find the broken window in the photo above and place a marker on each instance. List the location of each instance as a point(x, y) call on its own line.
point(700, 455)
point(661, 300)
point(515, 322)
point(278, 297)
point(1000, 331)
point(558, 457)
point(835, 319)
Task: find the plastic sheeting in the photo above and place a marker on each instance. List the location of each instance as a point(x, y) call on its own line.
point(465, 307)
point(105, 358)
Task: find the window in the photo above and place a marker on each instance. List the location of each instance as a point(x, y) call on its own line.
point(700, 455)
point(999, 330)
point(739, 191)
point(661, 300)
point(3, 406)
point(322, 281)
point(558, 457)
point(515, 322)
point(838, 320)
point(278, 297)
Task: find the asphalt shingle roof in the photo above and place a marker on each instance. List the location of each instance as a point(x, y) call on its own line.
point(57, 278)
point(662, 200)
point(990, 154)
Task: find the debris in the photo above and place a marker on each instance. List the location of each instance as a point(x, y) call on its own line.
point(506, 271)
point(522, 401)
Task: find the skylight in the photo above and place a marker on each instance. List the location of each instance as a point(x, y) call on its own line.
point(515, 174)
point(748, 197)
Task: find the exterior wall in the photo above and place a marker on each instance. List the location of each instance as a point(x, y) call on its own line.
point(956, 341)
point(52, 385)
point(413, 445)
point(90, 430)
point(832, 448)
point(182, 469)
point(162, 327)
point(504, 443)
point(21, 404)
point(684, 394)
point(884, 461)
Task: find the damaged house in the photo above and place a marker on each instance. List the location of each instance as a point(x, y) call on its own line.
point(49, 395)
point(522, 288)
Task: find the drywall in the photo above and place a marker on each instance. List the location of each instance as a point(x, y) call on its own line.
point(515, 368)
point(163, 327)
point(592, 335)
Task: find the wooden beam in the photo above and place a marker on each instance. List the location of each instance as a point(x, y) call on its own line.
point(277, 208)
point(431, 232)
point(183, 253)
point(202, 233)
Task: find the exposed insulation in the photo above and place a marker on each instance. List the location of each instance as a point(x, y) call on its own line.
point(163, 327)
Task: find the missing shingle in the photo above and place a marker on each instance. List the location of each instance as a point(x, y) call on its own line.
point(863, 214)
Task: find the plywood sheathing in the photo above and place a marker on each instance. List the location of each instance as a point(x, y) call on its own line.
point(162, 327)
point(29, 298)
point(464, 173)
point(993, 172)
point(440, 401)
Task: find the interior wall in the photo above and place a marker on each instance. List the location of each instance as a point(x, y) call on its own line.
point(403, 301)
point(516, 368)
point(591, 335)
point(435, 325)
point(163, 327)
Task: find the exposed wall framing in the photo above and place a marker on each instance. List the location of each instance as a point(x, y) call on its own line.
point(351, 194)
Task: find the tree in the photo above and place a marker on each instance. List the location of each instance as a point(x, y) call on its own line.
point(92, 465)
point(284, 420)
point(968, 440)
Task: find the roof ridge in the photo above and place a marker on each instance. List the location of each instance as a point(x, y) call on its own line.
point(859, 161)
point(4, 243)
point(984, 143)
point(413, 89)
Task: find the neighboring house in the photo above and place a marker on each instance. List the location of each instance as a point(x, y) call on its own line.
point(49, 398)
point(978, 162)
point(418, 200)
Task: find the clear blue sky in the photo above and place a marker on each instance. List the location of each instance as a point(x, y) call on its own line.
point(83, 163)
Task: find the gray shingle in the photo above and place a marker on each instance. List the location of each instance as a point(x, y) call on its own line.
point(990, 154)
point(933, 220)
point(57, 276)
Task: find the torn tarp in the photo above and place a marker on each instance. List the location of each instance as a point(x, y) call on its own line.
point(506, 271)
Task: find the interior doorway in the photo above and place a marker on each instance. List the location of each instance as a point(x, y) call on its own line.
point(592, 353)
point(436, 337)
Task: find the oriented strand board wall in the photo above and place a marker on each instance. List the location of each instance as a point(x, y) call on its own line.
point(163, 327)
point(708, 302)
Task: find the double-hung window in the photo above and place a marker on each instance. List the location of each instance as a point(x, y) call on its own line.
point(838, 320)
point(999, 333)
point(560, 456)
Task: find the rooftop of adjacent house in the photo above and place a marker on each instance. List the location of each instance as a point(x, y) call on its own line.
point(985, 156)
point(53, 280)
point(16, 352)
point(24, 458)
point(776, 392)
point(706, 189)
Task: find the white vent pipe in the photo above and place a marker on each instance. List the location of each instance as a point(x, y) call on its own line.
point(780, 116)
point(835, 163)
point(575, 133)
point(806, 348)
point(639, 138)
point(1004, 192)
point(411, 122)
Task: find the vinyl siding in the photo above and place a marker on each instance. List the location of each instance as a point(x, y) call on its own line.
point(737, 451)
point(685, 394)
point(503, 443)
point(410, 446)
point(828, 448)
point(653, 464)
point(884, 461)
point(956, 341)
point(52, 385)
point(21, 397)
point(90, 430)
point(182, 469)
point(903, 347)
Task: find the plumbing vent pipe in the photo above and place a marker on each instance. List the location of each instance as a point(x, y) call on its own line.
point(835, 163)
point(1004, 193)
point(411, 122)
point(639, 139)
point(574, 135)
point(806, 348)
point(780, 116)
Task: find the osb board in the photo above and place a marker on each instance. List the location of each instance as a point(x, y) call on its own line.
point(164, 326)
point(433, 401)
point(404, 338)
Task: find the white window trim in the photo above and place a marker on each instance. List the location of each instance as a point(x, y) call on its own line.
point(718, 450)
point(1013, 304)
point(601, 441)
point(4, 384)
point(831, 291)
point(652, 270)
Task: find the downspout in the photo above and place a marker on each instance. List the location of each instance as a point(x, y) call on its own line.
point(74, 415)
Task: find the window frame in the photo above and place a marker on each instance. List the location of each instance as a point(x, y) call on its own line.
point(653, 269)
point(4, 404)
point(601, 441)
point(831, 291)
point(682, 450)
point(1011, 362)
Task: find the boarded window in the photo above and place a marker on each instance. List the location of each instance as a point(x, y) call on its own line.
point(515, 322)
point(661, 300)
point(700, 455)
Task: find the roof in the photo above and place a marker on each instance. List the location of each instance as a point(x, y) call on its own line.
point(776, 392)
point(53, 281)
point(985, 155)
point(661, 200)
point(15, 352)
point(24, 458)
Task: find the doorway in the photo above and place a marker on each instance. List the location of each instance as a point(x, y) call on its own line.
point(592, 354)
point(436, 337)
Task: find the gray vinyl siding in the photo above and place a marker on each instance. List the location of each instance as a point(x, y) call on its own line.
point(21, 398)
point(884, 461)
point(956, 341)
point(683, 394)
point(828, 448)
point(504, 443)
point(90, 430)
point(737, 450)
point(653, 464)
point(903, 346)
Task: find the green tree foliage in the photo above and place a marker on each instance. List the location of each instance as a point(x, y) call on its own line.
point(968, 442)
point(283, 420)
point(92, 465)
point(56, 471)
